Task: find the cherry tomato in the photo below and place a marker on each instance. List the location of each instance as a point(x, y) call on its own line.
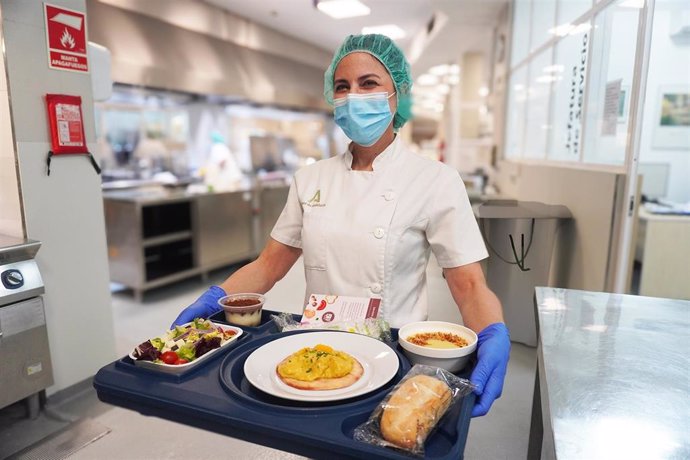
point(169, 357)
point(322, 305)
point(180, 361)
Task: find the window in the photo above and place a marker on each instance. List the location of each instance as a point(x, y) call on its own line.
point(665, 136)
point(557, 109)
point(570, 10)
point(569, 79)
point(538, 96)
point(614, 41)
point(517, 93)
point(521, 31)
point(543, 18)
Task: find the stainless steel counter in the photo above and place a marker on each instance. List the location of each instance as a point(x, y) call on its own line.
point(160, 194)
point(612, 378)
point(158, 235)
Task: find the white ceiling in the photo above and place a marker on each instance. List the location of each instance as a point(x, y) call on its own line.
point(469, 26)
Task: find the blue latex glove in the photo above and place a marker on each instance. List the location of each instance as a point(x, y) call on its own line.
point(203, 307)
point(493, 351)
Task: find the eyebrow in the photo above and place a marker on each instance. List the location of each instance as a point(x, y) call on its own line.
point(363, 77)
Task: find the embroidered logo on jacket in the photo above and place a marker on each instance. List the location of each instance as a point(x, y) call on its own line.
point(315, 200)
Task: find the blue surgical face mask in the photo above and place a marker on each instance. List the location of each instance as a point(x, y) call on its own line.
point(363, 117)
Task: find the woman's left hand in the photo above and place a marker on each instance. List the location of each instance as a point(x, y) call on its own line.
point(493, 351)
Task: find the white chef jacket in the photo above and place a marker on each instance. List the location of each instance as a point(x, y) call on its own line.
point(369, 233)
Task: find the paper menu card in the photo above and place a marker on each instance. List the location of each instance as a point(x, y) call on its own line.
point(323, 308)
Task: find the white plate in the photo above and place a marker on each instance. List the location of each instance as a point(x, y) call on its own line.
point(180, 368)
point(379, 361)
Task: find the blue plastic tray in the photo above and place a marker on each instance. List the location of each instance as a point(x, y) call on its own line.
point(217, 397)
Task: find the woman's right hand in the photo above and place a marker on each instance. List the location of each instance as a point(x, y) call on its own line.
point(203, 307)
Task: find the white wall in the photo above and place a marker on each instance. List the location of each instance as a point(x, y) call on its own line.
point(10, 210)
point(669, 65)
point(64, 210)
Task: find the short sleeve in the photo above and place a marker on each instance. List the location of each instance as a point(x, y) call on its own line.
point(288, 228)
point(452, 230)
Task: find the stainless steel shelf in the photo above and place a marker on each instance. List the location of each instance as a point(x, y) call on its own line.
point(169, 238)
point(225, 228)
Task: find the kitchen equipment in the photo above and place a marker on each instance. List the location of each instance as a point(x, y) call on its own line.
point(25, 366)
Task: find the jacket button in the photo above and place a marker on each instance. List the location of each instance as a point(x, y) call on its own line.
point(379, 232)
point(375, 288)
point(388, 196)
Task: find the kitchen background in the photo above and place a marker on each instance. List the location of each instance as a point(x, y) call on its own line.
point(215, 110)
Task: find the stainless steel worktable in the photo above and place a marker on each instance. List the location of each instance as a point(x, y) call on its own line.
point(158, 235)
point(612, 377)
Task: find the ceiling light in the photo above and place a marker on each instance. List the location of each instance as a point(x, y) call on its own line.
point(632, 4)
point(454, 69)
point(427, 97)
point(427, 80)
point(580, 28)
point(443, 89)
point(570, 29)
point(596, 327)
point(341, 9)
point(389, 30)
point(453, 79)
point(562, 30)
point(556, 68)
point(432, 105)
point(483, 91)
point(548, 78)
point(440, 70)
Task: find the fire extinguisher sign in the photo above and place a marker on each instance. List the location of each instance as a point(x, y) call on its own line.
point(66, 38)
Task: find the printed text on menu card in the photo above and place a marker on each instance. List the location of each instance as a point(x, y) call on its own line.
point(324, 309)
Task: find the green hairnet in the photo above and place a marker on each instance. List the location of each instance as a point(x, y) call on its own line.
point(392, 58)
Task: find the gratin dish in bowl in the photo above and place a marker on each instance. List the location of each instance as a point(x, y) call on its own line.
point(452, 359)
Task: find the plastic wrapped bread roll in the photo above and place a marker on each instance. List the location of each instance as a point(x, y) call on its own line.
point(413, 410)
point(407, 416)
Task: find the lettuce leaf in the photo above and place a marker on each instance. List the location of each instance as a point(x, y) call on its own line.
point(186, 352)
point(146, 352)
point(206, 344)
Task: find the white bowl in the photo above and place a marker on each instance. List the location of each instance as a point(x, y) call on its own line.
point(451, 359)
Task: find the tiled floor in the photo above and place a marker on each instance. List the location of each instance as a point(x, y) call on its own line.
point(503, 434)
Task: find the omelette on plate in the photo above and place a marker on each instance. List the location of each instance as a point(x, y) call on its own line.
point(319, 368)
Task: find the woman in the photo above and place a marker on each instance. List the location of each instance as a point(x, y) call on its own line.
point(365, 221)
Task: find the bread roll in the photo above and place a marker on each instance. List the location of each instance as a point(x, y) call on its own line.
point(413, 410)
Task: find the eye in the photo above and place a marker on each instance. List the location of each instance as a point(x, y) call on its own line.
point(369, 84)
point(340, 87)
